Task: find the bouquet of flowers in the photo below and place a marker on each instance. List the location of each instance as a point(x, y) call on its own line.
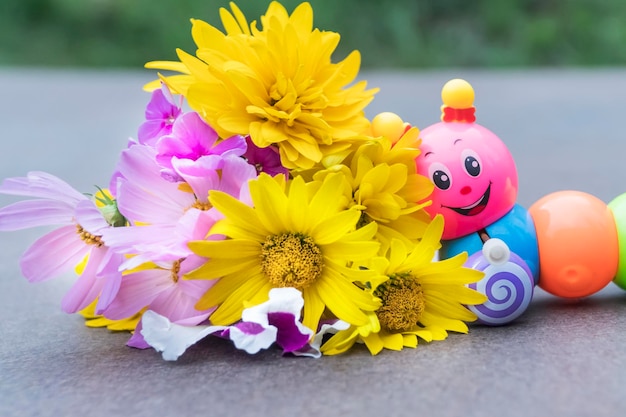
point(257, 204)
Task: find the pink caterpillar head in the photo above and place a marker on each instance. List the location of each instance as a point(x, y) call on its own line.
point(473, 171)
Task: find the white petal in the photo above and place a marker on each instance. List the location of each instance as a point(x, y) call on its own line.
point(169, 338)
point(252, 343)
point(314, 347)
point(284, 300)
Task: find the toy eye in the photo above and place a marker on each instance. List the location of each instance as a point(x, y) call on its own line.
point(440, 174)
point(471, 162)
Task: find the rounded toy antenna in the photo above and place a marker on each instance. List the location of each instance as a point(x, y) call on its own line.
point(458, 102)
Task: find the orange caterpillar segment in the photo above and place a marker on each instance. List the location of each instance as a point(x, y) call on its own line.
point(578, 243)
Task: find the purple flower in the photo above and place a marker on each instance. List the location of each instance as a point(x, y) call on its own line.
point(161, 112)
point(59, 251)
point(194, 143)
point(264, 159)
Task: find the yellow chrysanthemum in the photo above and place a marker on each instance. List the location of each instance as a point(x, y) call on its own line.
point(420, 298)
point(299, 235)
point(386, 187)
point(276, 83)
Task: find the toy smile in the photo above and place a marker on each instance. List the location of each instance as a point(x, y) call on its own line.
point(476, 207)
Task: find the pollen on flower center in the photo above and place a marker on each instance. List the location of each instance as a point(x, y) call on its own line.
point(291, 260)
point(175, 270)
point(202, 205)
point(403, 303)
point(88, 238)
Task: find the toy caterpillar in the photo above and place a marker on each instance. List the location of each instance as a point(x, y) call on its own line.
point(568, 243)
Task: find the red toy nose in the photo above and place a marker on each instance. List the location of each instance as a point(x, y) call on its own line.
point(466, 190)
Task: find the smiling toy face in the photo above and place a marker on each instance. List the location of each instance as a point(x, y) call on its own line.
point(474, 175)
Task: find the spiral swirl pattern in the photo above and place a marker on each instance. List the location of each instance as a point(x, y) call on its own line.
point(509, 289)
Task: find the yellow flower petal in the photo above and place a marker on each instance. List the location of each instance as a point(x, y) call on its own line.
point(225, 286)
point(334, 227)
point(216, 268)
point(374, 343)
point(230, 310)
point(313, 308)
point(335, 292)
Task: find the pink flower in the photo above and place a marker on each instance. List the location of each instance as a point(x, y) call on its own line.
point(170, 215)
point(161, 112)
point(194, 143)
point(162, 289)
point(59, 251)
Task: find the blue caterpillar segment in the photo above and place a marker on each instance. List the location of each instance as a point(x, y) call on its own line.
point(516, 228)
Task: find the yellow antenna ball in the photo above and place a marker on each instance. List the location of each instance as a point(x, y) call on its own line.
point(389, 125)
point(457, 94)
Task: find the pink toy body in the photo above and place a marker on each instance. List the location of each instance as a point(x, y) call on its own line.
point(474, 175)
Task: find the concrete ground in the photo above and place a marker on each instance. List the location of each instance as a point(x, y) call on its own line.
point(565, 129)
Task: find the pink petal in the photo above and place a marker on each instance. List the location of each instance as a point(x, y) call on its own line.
point(195, 133)
point(137, 204)
point(137, 291)
point(34, 213)
point(53, 254)
point(158, 243)
point(150, 131)
point(87, 287)
point(169, 146)
point(137, 340)
point(195, 224)
point(110, 288)
point(235, 173)
point(179, 307)
point(138, 165)
point(90, 218)
point(201, 175)
point(42, 185)
point(109, 272)
point(235, 146)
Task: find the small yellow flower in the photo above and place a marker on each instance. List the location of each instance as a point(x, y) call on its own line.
point(386, 187)
point(297, 234)
point(276, 83)
point(420, 298)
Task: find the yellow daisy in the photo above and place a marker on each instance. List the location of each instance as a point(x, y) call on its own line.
point(420, 298)
point(386, 187)
point(297, 234)
point(276, 83)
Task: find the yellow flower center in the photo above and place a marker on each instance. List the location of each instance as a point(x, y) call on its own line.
point(291, 260)
point(202, 205)
point(175, 270)
point(403, 303)
point(364, 220)
point(88, 238)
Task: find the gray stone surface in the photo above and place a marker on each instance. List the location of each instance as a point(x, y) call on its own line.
point(565, 129)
